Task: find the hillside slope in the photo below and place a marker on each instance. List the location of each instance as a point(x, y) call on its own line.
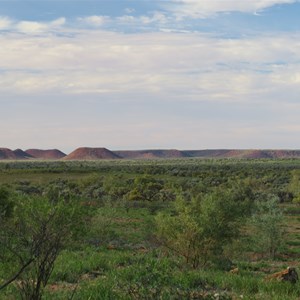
point(247, 153)
point(150, 154)
point(6, 153)
point(46, 154)
point(86, 153)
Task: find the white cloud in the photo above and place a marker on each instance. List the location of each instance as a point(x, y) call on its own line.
point(58, 22)
point(29, 26)
point(193, 67)
point(205, 8)
point(5, 23)
point(159, 17)
point(127, 18)
point(163, 89)
point(95, 20)
point(155, 17)
point(37, 27)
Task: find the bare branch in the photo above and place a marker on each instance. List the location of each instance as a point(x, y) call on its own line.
point(16, 275)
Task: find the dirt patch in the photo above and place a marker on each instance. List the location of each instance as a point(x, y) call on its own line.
point(62, 286)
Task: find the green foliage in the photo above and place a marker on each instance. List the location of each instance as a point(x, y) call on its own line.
point(145, 188)
point(61, 189)
point(199, 230)
point(267, 222)
point(116, 186)
point(6, 204)
point(101, 229)
point(25, 187)
point(111, 252)
point(71, 265)
point(32, 240)
point(294, 186)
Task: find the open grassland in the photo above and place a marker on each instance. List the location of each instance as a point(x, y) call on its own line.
point(115, 250)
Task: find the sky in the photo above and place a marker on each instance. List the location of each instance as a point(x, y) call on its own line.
point(141, 74)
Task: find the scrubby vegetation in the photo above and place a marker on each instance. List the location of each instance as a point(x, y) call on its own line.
point(160, 229)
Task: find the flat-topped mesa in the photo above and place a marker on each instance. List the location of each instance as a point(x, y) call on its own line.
point(87, 153)
point(90, 153)
point(150, 154)
point(243, 153)
point(45, 154)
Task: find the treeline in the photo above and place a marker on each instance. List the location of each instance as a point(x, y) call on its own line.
point(156, 180)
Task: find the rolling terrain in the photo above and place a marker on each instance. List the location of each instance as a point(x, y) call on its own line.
point(89, 153)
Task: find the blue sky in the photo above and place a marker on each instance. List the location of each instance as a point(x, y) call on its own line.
point(185, 74)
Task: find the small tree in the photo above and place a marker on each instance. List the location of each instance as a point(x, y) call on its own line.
point(267, 222)
point(33, 239)
point(201, 229)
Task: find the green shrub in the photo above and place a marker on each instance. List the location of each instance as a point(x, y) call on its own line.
point(200, 229)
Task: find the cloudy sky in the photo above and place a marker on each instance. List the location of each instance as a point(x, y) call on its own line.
point(137, 74)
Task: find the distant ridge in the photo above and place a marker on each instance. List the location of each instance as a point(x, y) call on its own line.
point(6, 153)
point(150, 154)
point(209, 153)
point(22, 154)
point(247, 153)
point(85, 153)
point(206, 153)
point(88, 153)
point(45, 154)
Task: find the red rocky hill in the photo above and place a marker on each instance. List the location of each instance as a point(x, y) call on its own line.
point(86, 153)
point(45, 154)
point(6, 153)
